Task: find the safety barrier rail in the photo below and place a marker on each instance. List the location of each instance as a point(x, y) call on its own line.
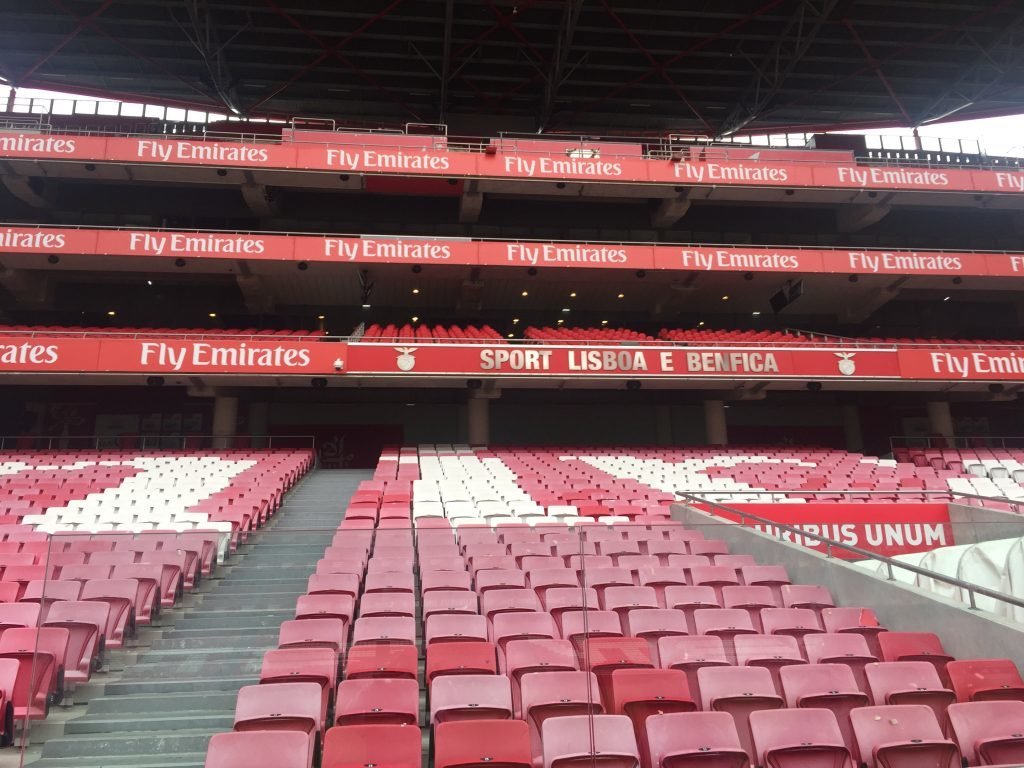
point(833, 545)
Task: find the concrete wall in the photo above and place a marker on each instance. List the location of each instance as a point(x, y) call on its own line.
point(973, 524)
point(965, 633)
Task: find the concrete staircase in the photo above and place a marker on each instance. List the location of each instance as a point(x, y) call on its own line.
point(163, 698)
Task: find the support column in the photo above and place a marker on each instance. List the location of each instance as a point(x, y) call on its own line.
point(940, 419)
point(225, 420)
point(479, 418)
point(663, 425)
point(259, 417)
point(852, 429)
point(715, 429)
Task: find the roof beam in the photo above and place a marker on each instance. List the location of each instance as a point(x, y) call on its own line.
point(83, 22)
point(557, 66)
point(446, 58)
point(994, 63)
point(778, 63)
point(876, 66)
point(203, 36)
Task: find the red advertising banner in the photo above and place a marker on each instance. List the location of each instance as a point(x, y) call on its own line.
point(886, 529)
point(596, 163)
point(155, 355)
point(571, 361)
point(284, 356)
point(950, 364)
point(369, 249)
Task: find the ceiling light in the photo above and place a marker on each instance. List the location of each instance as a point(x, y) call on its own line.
point(565, 309)
point(755, 314)
point(149, 282)
point(511, 335)
point(726, 297)
point(622, 295)
point(560, 321)
point(526, 293)
point(572, 295)
point(701, 323)
point(515, 321)
point(320, 317)
point(212, 314)
point(366, 305)
point(111, 313)
point(415, 319)
point(415, 290)
point(604, 322)
point(947, 298)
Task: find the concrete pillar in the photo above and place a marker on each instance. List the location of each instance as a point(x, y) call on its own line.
point(715, 429)
point(259, 416)
point(851, 428)
point(940, 419)
point(225, 420)
point(663, 424)
point(479, 418)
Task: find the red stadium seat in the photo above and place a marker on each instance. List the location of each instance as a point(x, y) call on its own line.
point(909, 682)
point(769, 651)
point(120, 595)
point(738, 691)
point(313, 633)
point(906, 735)
point(280, 707)
point(643, 693)
point(915, 646)
point(653, 623)
point(507, 627)
point(389, 746)
point(302, 665)
point(40, 654)
point(377, 701)
point(690, 654)
point(457, 627)
point(849, 649)
point(384, 629)
point(326, 607)
point(567, 742)
point(684, 739)
point(989, 732)
point(496, 601)
point(464, 658)
point(260, 749)
point(788, 737)
point(482, 744)
point(85, 621)
point(382, 660)
point(471, 697)
point(986, 680)
point(861, 621)
point(558, 694)
point(824, 686)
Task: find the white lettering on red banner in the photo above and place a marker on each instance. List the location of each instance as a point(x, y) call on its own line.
point(196, 244)
point(207, 152)
point(352, 249)
point(44, 145)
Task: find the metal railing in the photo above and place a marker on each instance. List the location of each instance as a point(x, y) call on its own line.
point(957, 442)
point(832, 545)
point(191, 123)
point(153, 442)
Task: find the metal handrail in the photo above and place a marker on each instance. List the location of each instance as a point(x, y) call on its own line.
point(832, 544)
point(159, 442)
point(958, 442)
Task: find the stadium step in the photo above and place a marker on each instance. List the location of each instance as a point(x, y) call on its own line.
point(190, 669)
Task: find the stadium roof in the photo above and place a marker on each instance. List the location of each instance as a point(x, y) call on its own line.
point(686, 66)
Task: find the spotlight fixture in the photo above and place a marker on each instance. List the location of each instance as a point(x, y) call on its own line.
point(641, 273)
point(621, 296)
point(149, 282)
point(560, 321)
point(111, 313)
point(814, 386)
point(416, 269)
point(756, 313)
point(302, 266)
point(53, 258)
point(510, 335)
point(853, 278)
point(415, 291)
point(318, 383)
point(700, 324)
point(947, 298)
point(212, 314)
point(154, 381)
point(532, 271)
point(566, 310)
point(604, 322)
point(958, 281)
point(474, 383)
point(366, 305)
point(995, 388)
point(320, 317)
point(515, 321)
point(572, 295)
point(525, 293)
point(179, 262)
point(725, 297)
point(633, 385)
